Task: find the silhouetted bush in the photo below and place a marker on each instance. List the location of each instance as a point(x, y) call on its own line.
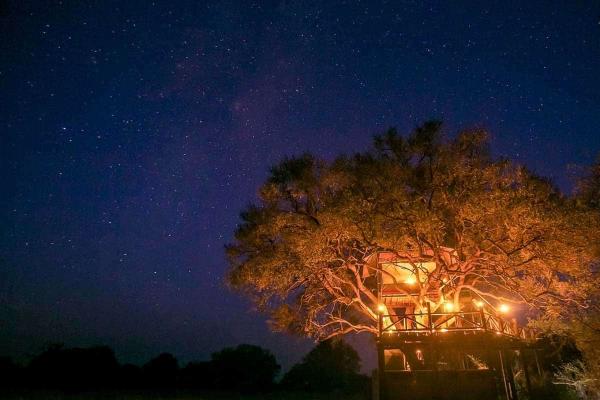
point(161, 372)
point(331, 365)
point(245, 368)
point(10, 374)
point(130, 377)
point(74, 369)
point(198, 375)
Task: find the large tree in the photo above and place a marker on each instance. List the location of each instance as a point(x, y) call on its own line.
point(302, 252)
point(583, 323)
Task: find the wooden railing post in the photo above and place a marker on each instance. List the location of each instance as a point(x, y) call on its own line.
point(429, 320)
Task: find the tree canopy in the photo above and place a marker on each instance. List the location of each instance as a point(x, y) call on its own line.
point(247, 368)
point(301, 252)
point(331, 365)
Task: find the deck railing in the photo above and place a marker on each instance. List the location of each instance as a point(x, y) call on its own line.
point(460, 321)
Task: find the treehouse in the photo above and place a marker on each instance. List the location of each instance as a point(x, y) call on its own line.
point(437, 341)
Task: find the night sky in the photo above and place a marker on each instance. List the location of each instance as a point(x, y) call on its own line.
point(133, 132)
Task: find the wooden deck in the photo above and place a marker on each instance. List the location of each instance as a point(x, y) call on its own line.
point(440, 323)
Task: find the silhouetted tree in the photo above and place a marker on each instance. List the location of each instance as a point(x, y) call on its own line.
point(244, 368)
point(161, 371)
point(75, 368)
point(198, 375)
point(130, 377)
point(331, 365)
point(10, 374)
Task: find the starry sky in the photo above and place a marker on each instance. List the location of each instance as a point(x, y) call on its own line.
point(133, 132)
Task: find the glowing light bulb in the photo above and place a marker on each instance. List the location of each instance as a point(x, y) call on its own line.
point(503, 308)
point(448, 306)
point(381, 308)
point(411, 280)
point(419, 355)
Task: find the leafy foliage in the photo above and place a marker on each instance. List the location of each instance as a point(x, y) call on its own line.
point(577, 376)
point(302, 252)
point(588, 186)
point(331, 365)
point(246, 368)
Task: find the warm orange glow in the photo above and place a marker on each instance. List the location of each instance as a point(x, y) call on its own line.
point(449, 307)
point(419, 355)
point(443, 330)
point(381, 308)
point(478, 303)
point(411, 280)
point(503, 308)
